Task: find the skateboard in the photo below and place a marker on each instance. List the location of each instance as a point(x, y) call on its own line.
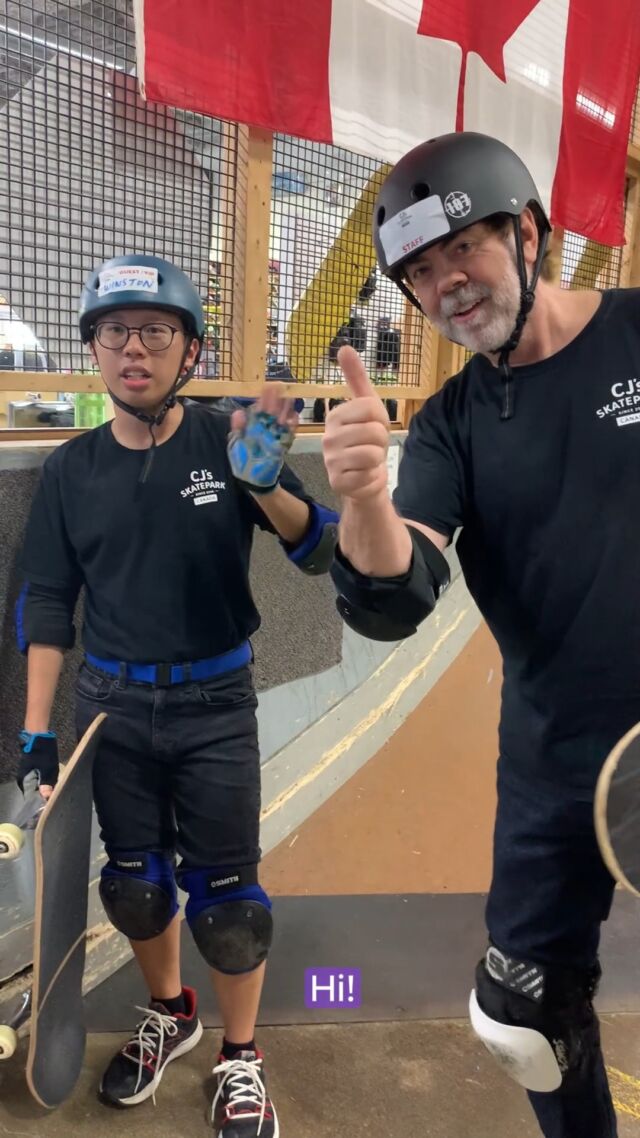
point(62, 843)
point(617, 811)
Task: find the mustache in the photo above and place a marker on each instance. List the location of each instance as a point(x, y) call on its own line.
point(464, 298)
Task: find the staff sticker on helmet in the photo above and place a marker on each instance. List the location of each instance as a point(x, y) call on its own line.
point(127, 277)
point(457, 203)
point(413, 227)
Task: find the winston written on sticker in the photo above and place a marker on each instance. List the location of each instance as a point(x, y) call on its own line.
point(128, 278)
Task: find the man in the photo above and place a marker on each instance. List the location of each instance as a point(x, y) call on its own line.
point(532, 452)
point(154, 514)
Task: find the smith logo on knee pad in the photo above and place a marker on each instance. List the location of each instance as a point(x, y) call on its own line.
point(138, 891)
point(229, 915)
point(536, 1020)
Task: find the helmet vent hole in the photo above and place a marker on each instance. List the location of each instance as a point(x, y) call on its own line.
point(381, 214)
point(420, 191)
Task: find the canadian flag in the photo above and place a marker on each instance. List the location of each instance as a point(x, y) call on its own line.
point(554, 79)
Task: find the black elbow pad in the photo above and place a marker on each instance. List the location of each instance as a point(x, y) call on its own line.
point(391, 608)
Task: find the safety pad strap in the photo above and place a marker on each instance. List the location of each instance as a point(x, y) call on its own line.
point(314, 554)
point(138, 891)
point(522, 976)
point(205, 884)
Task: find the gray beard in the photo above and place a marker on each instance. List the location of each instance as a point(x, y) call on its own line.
point(501, 308)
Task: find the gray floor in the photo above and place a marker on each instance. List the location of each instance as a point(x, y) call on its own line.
point(429, 978)
point(412, 1080)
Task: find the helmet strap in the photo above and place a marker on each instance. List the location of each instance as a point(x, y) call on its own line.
point(527, 298)
point(151, 420)
point(411, 296)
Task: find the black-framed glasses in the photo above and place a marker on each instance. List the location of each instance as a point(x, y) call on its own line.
point(155, 336)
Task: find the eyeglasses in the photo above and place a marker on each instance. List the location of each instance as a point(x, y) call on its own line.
point(156, 337)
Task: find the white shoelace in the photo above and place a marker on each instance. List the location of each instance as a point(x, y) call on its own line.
point(246, 1087)
point(149, 1038)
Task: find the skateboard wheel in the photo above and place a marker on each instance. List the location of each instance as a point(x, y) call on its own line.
point(11, 841)
point(8, 1041)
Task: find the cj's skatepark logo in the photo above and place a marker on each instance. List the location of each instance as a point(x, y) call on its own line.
point(203, 488)
point(624, 407)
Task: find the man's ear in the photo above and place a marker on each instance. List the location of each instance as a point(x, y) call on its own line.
point(530, 236)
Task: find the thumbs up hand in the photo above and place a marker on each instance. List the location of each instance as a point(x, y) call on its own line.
point(356, 437)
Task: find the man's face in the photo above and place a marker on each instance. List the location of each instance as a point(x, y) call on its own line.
point(468, 286)
point(142, 370)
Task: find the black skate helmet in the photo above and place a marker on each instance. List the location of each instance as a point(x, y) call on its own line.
point(445, 185)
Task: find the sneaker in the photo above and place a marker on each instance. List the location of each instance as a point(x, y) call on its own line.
point(134, 1073)
point(241, 1107)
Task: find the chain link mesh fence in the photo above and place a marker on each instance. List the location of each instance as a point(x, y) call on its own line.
point(325, 288)
point(91, 171)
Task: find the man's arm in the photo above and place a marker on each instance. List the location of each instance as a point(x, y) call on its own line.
point(44, 664)
point(388, 573)
point(375, 539)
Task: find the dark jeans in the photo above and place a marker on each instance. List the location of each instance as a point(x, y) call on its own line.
point(178, 768)
point(549, 895)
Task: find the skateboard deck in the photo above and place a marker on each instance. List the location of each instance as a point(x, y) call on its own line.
point(617, 811)
point(62, 843)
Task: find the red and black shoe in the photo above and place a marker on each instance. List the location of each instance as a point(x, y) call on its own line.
point(134, 1073)
point(241, 1106)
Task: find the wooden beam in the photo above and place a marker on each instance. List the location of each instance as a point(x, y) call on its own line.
point(37, 434)
point(251, 254)
point(229, 222)
point(40, 381)
point(49, 381)
point(448, 359)
point(16, 437)
point(631, 252)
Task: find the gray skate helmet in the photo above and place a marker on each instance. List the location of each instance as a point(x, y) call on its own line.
point(138, 281)
point(149, 281)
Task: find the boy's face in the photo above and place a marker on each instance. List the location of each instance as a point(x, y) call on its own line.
point(141, 366)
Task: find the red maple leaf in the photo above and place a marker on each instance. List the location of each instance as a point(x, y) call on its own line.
point(482, 26)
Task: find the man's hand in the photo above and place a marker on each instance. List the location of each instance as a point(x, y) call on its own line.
point(356, 436)
point(260, 439)
point(39, 753)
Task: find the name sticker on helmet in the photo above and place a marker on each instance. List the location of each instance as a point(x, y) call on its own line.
point(413, 228)
point(127, 278)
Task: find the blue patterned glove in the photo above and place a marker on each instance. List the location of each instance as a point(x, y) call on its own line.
point(257, 452)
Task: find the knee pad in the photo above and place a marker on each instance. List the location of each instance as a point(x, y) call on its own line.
point(536, 1020)
point(229, 915)
point(139, 895)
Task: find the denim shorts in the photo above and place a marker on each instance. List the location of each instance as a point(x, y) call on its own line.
point(178, 768)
